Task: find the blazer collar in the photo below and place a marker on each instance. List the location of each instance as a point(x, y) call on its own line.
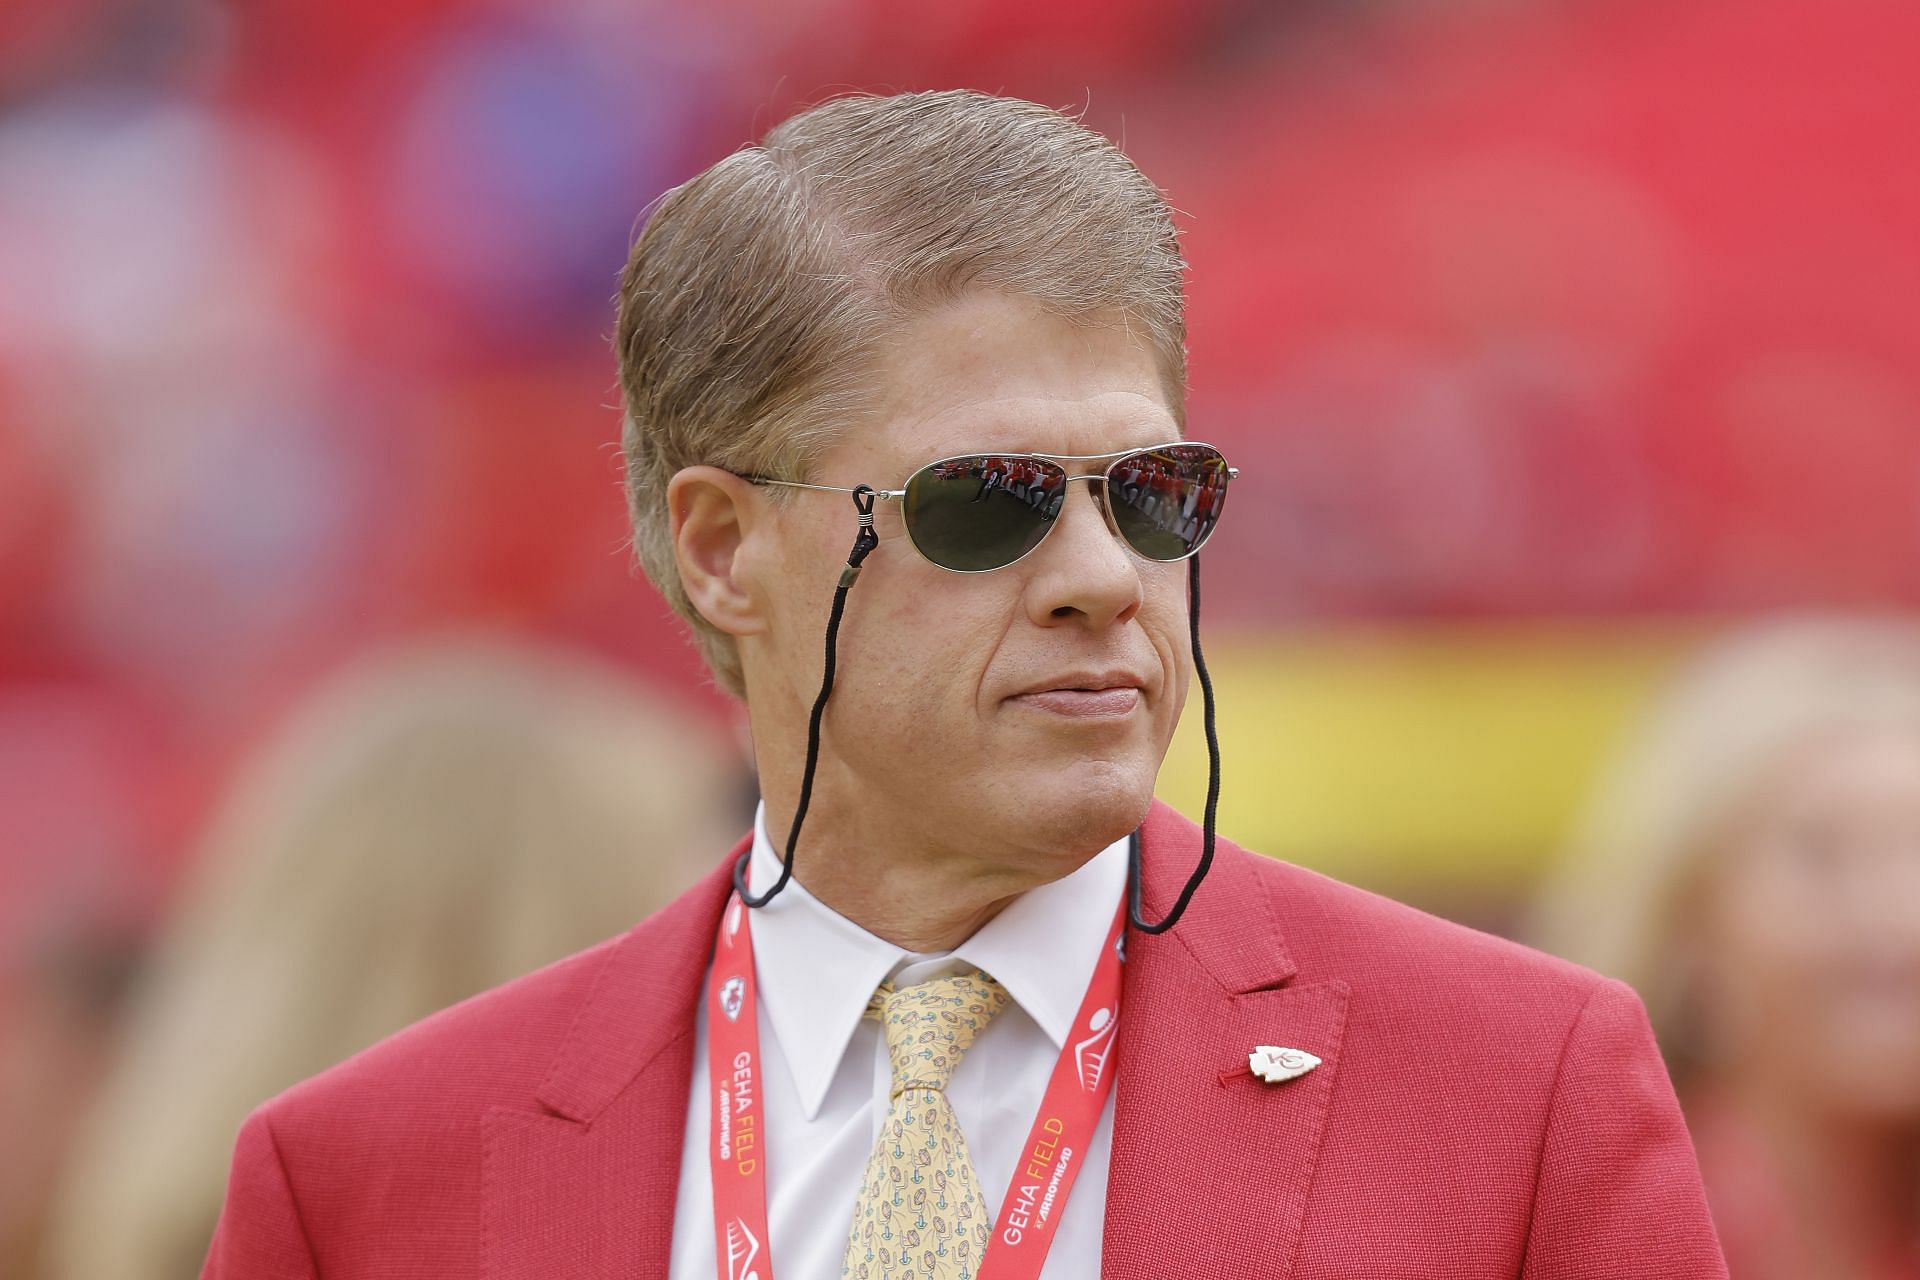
point(585, 1186)
point(642, 1000)
point(1231, 929)
point(1188, 1111)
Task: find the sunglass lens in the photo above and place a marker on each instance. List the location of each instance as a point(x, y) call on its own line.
point(1166, 501)
point(982, 512)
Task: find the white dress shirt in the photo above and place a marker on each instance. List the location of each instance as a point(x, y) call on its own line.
point(827, 1079)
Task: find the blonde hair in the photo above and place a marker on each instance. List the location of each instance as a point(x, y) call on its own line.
point(433, 824)
point(754, 303)
point(1620, 899)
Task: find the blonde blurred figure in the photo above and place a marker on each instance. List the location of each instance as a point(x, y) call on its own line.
point(434, 824)
point(1753, 868)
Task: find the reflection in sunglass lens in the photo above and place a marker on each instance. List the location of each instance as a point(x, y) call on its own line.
point(983, 512)
point(1166, 501)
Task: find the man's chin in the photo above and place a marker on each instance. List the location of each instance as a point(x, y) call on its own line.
point(1085, 806)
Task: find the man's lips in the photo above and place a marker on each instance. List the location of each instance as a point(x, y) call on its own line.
point(1091, 703)
point(1093, 695)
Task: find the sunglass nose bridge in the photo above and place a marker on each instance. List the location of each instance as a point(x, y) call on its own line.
point(1097, 491)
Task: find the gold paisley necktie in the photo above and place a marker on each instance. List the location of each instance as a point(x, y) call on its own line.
point(920, 1212)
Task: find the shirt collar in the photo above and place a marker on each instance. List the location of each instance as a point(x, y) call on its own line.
point(816, 969)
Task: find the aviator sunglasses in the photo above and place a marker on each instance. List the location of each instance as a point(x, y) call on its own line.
point(975, 512)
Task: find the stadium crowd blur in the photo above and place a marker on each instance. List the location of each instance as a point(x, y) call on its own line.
point(1552, 339)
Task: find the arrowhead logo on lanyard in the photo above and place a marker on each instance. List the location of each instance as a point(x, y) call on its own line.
point(733, 993)
point(1091, 1054)
point(742, 1249)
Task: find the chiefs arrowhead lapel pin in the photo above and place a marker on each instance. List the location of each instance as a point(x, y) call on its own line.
point(1274, 1064)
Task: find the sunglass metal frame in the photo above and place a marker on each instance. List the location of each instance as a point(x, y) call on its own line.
point(1104, 476)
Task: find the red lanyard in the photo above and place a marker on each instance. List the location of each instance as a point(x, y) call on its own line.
point(1056, 1145)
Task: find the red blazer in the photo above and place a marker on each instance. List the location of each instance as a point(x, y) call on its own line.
point(1481, 1109)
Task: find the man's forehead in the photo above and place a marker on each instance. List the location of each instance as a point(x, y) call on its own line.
point(1001, 373)
point(990, 338)
point(1101, 423)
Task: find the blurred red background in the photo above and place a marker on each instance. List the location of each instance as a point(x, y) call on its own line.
point(1506, 311)
point(1541, 332)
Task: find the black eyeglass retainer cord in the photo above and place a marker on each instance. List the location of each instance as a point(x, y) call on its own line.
point(1179, 907)
point(864, 542)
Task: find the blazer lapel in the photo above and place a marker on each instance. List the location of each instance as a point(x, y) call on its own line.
point(586, 1187)
point(1211, 1165)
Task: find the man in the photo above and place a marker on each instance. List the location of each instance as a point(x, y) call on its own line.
point(937, 1047)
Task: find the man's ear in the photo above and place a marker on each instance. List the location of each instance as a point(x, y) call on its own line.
point(711, 513)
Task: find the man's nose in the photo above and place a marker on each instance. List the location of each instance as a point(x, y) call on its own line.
point(1082, 571)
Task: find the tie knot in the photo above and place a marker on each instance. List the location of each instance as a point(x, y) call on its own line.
point(930, 1024)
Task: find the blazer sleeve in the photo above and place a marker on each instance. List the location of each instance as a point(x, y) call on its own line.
point(260, 1236)
point(1618, 1191)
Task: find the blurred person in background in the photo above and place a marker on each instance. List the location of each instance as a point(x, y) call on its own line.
point(78, 895)
point(59, 1007)
point(434, 822)
point(1752, 867)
